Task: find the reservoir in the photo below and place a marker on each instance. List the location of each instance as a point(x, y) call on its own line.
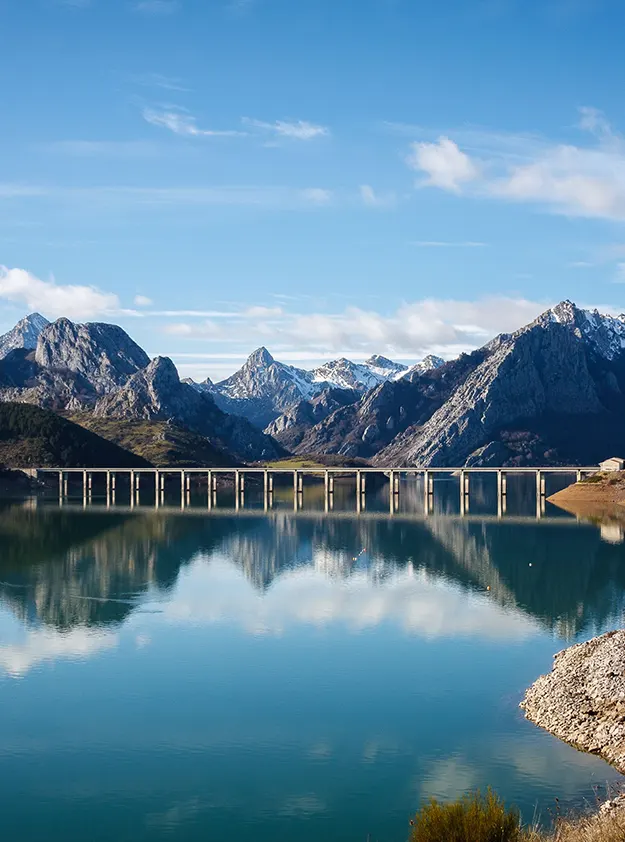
point(178, 673)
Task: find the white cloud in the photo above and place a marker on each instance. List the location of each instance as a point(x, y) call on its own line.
point(157, 7)
point(50, 645)
point(184, 124)
point(296, 130)
point(143, 301)
point(445, 165)
point(568, 179)
point(620, 274)
point(440, 326)
point(54, 300)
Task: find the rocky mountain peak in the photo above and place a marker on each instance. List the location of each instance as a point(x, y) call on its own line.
point(565, 312)
point(102, 353)
point(430, 362)
point(260, 358)
point(604, 333)
point(24, 335)
point(162, 373)
point(378, 361)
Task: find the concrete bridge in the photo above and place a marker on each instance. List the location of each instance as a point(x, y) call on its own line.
point(156, 478)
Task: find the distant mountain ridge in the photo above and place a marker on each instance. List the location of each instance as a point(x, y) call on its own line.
point(263, 388)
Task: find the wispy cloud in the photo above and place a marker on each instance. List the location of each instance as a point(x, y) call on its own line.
point(317, 195)
point(113, 198)
point(448, 244)
point(295, 130)
point(372, 199)
point(157, 7)
point(142, 301)
point(572, 180)
point(158, 80)
point(93, 148)
point(184, 124)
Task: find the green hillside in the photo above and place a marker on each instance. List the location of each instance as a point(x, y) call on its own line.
point(33, 437)
point(162, 444)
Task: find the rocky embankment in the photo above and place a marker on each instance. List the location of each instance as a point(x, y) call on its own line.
point(582, 700)
point(593, 496)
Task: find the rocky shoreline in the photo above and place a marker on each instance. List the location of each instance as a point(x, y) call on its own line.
point(595, 495)
point(582, 700)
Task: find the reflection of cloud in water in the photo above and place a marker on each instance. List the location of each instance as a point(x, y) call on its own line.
point(538, 763)
point(47, 644)
point(447, 779)
point(216, 591)
point(537, 759)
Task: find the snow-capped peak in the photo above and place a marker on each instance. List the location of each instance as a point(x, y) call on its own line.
point(427, 364)
point(604, 333)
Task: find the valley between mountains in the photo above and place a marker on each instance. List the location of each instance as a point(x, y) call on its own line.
point(551, 393)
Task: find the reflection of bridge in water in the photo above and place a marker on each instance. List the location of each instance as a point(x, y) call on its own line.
point(159, 478)
point(94, 565)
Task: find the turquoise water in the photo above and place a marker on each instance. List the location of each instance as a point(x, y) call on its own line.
point(181, 674)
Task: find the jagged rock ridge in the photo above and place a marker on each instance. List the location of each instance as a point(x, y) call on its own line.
point(263, 389)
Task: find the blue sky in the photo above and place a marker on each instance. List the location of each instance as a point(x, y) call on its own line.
point(324, 177)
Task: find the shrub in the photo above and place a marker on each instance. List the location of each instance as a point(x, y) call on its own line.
point(473, 818)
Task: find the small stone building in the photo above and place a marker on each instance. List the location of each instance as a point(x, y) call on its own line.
point(614, 463)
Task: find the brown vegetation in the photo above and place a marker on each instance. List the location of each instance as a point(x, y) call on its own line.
point(162, 444)
point(485, 818)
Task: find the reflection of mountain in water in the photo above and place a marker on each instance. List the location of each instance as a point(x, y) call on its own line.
point(69, 569)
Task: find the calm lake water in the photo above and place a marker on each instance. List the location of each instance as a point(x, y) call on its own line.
point(192, 675)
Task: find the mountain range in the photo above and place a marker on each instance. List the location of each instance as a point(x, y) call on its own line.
point(264, 388)
point(552, 392)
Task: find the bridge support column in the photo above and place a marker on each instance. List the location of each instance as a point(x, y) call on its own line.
point(579, 476)
point(540, 484)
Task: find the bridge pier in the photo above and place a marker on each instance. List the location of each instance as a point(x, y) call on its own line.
point(540, 484)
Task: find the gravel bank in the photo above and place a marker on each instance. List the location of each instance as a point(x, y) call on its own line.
point(582, 700)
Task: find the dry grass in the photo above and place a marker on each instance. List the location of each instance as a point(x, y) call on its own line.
point(485, 818)
point(603, 827)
